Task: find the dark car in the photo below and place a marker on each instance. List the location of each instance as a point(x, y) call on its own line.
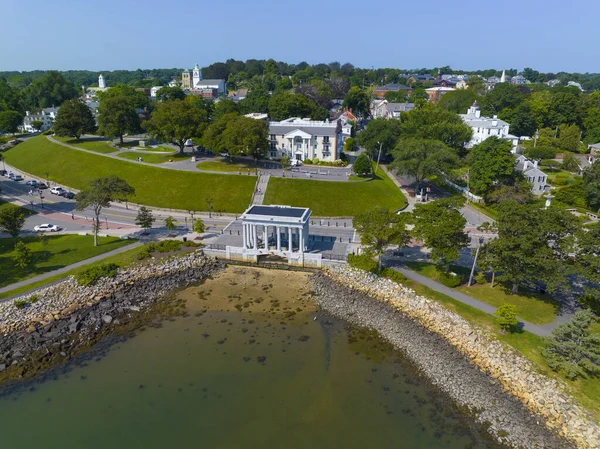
point(41, 185)
point(68, 194)
point(3, 172)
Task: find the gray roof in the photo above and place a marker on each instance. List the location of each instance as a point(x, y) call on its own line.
point(277, 211)
point(595, 145)
point(393, 87)
point(400, 107)
point(483, 122)
point(280, 129)
point(210, 81)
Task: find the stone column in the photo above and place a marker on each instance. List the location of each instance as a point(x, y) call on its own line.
point(301, 241)
point(244, 234)
point(266, 237)
point(278, 238)
point(255, 237)
point(290, 238)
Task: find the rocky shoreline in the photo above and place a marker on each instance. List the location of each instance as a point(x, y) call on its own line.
point(500, 387)
point(66, 318)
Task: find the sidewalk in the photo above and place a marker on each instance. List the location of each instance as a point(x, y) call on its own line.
point(50, 274)
point(542, 331)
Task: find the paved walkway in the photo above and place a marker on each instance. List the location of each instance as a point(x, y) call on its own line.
point(50, 274)
point(261, 187)
point(541, 331)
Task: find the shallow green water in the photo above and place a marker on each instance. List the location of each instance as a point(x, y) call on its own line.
point(197, 382)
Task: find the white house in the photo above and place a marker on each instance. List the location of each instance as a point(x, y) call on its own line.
point(154, 90)
point(46, 116)
point(484, 127)
point(385, 109)
point(536, 177)
point(301, 139)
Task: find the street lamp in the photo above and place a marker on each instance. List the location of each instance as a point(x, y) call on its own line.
point(481, 240)
point(378, 156)
point(209, 201)
point(41, 198)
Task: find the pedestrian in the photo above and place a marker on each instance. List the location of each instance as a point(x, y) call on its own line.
point(72, 216)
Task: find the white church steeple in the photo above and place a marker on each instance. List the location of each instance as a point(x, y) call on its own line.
point(503, 77)
point(101, 83)
point(196, 76)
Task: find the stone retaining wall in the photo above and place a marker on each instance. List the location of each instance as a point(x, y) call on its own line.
point(542, 396)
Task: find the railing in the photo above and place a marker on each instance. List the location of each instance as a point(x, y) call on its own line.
point(216, 247)
point(330, 256)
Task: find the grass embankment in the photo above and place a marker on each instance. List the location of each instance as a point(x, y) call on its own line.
point(154, 186)
point(98, 146)
point(154, 158)
point(4, 204)
point(534, 307)
point(235, 167)
point(61, 250)
point(335, 198)
point(585, 390)
point(122, 259)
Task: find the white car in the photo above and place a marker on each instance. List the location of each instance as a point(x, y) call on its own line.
point(32, 182)
point(295, 162)
point(57, 190)
point(46, 227)
point(224, 154)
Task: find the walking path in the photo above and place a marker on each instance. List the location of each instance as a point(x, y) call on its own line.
point(540, 330)
point(81, 263)
point(261, 187)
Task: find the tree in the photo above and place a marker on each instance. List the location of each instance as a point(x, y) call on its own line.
point(504, 95)
point(117, 116)
point(257, 100)
point(491, 162)
point(421, 158)
point(246, 136)
point(458, 101)
point(224, 106)
point(170, 223)
point(570, 163)
point(506, 316)
point(565, 108)
point(285, 105)
point(49, 90)
point(358, 101)
point(440, 226)
point(43, 239)
point(167, 93)
point(362, 165)
point(588, 261)
point(434, 123)
point(144, 218)
point(533, 244)
point(349, 145)
point(591, 186)
point(572, 348)
point(380, 228)
point(10, 121)
point(213, 136)
point(568, 138)
point(199, 226)
point(176, 121)
point(591, 125)
point(22, 255)
point(98, 195)
point(74, 119)
point(12, 219)
point(522, 121)
point(379, 132)
point(10, 97)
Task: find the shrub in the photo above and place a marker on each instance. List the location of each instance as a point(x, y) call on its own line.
point(92, 275)
point(363, 262)
point(450, 279)
point(393, 275)
point(541, 152)
point(143, 254)
point(32, 299)
point(481, 278)
point(316, 161)
point(362, 165)
point(164, 246)
point(506, 316)
point(591, 300)
point(20, 303)
point(190, 244)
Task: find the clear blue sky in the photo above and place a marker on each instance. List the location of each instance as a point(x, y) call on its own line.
point(548, 35)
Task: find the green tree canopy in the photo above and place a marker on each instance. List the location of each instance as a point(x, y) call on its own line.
point(176, 121)
point(491, 162)
point(440, 226)
point(52, 89)
point(10, 121)
point(12, 220)
point(568, 138)
point(246, 136)
point(10, 98)
point(224, 106)
point(362, 166)
point(74, 119)
point(421, 158)
point(144, 218)
point(284, 105)
point(257, 100)
point(117, 116)
point(591, 186)
point(435, 123)
point(357, 100)
point(458, 101)
point(167, 93)
point(379, 132)
point(572, 348)
point(533, 244)
point(380, 228)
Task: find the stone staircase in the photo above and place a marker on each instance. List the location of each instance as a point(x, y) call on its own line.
point(261, 187)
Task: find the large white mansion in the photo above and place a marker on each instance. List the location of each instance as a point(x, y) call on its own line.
point(302, 139)
point(484, 127)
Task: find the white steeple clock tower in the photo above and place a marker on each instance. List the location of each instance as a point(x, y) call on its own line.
point(101, 83)
point(196, 76)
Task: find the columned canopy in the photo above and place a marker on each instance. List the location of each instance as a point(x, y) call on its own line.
point(275, 228)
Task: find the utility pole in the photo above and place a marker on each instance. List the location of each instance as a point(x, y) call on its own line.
point(378, 156)
point(468, 184)
point(474, 262)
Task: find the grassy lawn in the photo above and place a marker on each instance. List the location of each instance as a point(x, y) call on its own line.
point(585, 390)
point(5, 204)
point(223, 165)
point(121, 259)
point(154, 186)
point(62, 250)
point(533, 307)
point(159, 149)
point(155, 158)
point(335, 198)
point(99, 146)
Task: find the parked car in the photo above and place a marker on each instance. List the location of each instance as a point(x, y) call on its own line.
point(68, 194)
point(41, 185)
point(224, 154)
point(32, 183)
point(17, 178)
point(3, 172)
point(57, 190)
point(46, 227)
point(9, 174)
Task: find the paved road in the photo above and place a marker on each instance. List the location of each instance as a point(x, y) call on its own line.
point(50, 274)
point(542, 331)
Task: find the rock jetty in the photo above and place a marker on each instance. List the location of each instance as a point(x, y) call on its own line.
point(475, 370)
point(65, 318)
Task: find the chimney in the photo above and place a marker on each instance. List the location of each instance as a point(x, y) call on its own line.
point(477, 113)
point(494, 123)
point(525, 165)
point(535, 163)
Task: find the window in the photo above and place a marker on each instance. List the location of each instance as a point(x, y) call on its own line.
point(273, 154)
point(326, 139)
point(273, 137)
